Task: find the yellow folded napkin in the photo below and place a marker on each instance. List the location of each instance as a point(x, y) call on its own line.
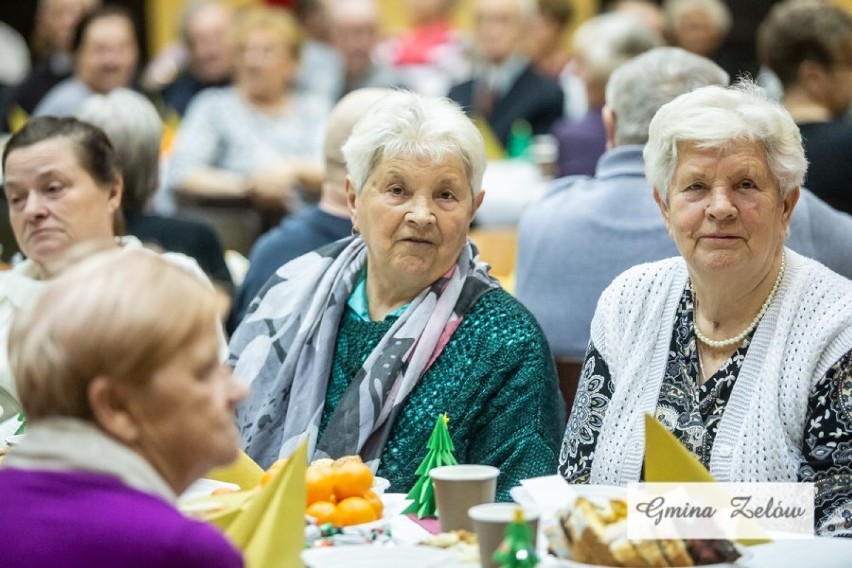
point(494, 149)
point(243, 471)
point(668, 461)
point(270, 528)
point(17, 118)
point(218, 510)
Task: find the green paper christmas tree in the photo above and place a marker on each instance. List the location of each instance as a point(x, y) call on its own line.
point(22, 427)
point(518, 548)
point(440, 453)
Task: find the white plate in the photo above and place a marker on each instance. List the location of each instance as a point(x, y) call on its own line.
point(205, 487)
point(393, 504)
point(15, 440)
point(366, 556)
point(380, 485)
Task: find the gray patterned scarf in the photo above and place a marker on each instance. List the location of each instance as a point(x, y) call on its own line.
point(291, 331)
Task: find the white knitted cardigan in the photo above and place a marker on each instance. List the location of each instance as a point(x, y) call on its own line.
point(807, 328)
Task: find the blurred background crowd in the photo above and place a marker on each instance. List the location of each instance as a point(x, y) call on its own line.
point(229, 100)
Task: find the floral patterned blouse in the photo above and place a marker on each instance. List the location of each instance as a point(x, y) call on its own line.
point(693, 411)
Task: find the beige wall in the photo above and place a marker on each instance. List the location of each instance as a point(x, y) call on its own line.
point(394, 12)
point(163, 16)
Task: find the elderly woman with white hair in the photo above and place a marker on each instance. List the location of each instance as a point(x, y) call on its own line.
point(740, 347)
point(362, 344)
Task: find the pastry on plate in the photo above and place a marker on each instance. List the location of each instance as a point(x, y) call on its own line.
point(596, 533)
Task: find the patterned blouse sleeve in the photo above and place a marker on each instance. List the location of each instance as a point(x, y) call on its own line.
point(827, 449)
point(586, 419)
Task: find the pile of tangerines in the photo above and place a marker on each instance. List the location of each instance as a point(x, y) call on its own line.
point(339, 491)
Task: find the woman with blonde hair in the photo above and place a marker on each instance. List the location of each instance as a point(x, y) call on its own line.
point(259, 138)
point(125, 409)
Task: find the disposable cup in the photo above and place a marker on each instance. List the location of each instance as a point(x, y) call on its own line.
point(460, 487)
point(490, 521)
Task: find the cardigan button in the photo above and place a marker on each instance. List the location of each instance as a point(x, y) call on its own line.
point(725, 451)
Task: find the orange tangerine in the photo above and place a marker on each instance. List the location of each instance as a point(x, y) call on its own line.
point(375, 502)
point(322, 511)
point(270, 473)
point(320, 483)
point(346, 459)
point(353, 479)
point(353, 511)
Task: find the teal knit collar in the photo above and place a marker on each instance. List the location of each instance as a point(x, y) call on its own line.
point(358, 304)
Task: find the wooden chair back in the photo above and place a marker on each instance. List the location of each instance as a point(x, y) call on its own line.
point(569, 369)
point(498, 247)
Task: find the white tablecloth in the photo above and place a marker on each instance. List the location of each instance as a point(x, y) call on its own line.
point(812, 553)
point(816, 553)
point(509, 185)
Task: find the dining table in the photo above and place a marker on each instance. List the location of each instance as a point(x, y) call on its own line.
point(817, 552)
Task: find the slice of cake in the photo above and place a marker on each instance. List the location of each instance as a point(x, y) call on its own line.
point(626, 553)
point(677, 553)
point(592, 529)
point(597, 534)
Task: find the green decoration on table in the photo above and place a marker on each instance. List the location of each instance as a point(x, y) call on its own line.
point(518, 548)
point(440, 453)
point(23, 426)
point(520, 140)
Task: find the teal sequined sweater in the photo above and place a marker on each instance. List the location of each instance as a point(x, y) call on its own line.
point(496, 381)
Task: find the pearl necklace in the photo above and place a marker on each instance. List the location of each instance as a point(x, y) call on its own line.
point(737, 339)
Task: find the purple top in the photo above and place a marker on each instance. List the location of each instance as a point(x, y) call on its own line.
point(77, 519)
point(580, 144)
